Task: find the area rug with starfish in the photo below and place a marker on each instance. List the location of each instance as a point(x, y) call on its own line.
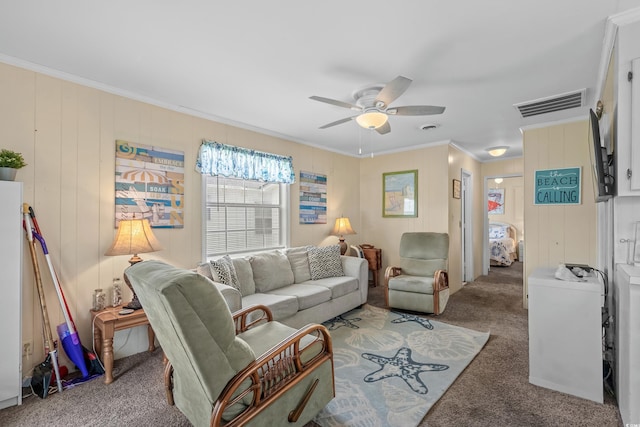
point(391, 367)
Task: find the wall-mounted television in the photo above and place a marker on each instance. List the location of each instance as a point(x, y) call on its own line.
point(601, 162)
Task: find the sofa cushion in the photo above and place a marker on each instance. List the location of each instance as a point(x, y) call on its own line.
point(245, 276)
point(325, 262)
point(271, 270)
point(299, 263)
point(281, 306)
point(307, 295)
point(338, 286)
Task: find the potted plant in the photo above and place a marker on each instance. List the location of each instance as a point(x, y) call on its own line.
point(10, 162)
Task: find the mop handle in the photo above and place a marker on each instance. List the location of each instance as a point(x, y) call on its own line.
point(48, 338)
point(67, 313)
point(56, 284)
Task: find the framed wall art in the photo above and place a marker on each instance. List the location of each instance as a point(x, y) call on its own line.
point(400, 194)
point(456, 188)
point(149, 184)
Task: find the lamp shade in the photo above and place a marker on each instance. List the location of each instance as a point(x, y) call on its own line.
point(342, 227)
point(372, 120)
point(134, 236)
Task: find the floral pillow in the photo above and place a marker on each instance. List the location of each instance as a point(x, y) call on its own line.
point(498, 232)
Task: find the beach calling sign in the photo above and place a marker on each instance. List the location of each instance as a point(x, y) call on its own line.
point(558, 186)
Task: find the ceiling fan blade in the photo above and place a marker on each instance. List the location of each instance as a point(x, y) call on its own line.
point(385, 128)
point(415, 110)
point(393, 90)
point(337, 122)
point(336, 102)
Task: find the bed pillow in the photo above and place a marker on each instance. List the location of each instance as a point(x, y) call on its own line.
point(499, 232)
point(325, 261)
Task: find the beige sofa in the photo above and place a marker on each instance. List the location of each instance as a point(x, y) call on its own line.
point(299, 285)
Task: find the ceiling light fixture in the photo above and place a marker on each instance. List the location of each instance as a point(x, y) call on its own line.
point(498, 180)
point(497, 151)
point(372, 119)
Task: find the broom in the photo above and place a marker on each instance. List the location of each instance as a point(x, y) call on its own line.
point(42, 373)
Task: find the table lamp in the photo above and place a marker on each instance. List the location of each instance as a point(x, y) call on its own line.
point(134, 236)
point(342, 227)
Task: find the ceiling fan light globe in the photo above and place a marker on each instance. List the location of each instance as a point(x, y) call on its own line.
point(372, 120)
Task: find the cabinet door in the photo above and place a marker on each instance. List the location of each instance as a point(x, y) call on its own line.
point(11, 291)
point(635, 125)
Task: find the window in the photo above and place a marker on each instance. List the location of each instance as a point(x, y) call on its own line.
point(243, 215)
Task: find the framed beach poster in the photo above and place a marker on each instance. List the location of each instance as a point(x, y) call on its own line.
point(400, 194)
point(495, 201)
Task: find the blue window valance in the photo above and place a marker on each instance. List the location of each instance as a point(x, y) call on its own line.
point(236, 162)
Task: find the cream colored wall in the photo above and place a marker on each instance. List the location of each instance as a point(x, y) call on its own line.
point(434, 190)
point(558, 233)
point(67, 134)
point(459, 161)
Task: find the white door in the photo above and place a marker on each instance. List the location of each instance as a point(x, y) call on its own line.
point(467, 227)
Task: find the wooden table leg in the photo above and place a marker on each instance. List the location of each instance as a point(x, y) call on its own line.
point(152, 339)
point(107, 352)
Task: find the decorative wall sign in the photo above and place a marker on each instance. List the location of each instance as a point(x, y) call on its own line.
point(495, 201)
point(558, 186)
point(313, 198)
point(400, 194)
point(457, 189)
point(149, 184)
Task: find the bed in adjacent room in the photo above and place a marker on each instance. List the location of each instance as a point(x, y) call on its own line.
point(502, 243)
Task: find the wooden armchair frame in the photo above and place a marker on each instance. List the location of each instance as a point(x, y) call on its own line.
point(271, 374)
point(440, 283)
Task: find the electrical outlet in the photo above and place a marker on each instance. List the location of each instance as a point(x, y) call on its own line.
point(27, 348)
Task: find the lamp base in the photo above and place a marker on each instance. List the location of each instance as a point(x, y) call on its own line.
point(343, 246)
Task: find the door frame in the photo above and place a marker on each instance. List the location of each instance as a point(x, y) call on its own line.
point(466, 226)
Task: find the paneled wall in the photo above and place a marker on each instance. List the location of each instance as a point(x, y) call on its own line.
point(67, 134)
point(558, 233)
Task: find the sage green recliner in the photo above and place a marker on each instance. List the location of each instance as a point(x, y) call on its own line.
point(421, 282)
point(231, 370)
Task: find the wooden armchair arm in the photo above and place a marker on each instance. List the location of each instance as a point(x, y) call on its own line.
point(248, 317)
point(440, 283)
point(276, 371)
point(388, 274)
point(441, 280)
point(391, 272)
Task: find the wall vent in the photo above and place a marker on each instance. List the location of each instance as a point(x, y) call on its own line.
point(560, 102)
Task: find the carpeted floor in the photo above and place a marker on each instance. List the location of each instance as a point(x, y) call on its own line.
point(492, 391)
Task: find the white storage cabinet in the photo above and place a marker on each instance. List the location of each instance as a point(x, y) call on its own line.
point(565, 334)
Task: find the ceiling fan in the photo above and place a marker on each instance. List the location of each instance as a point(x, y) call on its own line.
point(373, 104)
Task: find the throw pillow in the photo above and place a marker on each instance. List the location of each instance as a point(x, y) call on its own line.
point(271, 270)
point(325, 261)
point(232, 271)
point(221, 272)
point(299, 263)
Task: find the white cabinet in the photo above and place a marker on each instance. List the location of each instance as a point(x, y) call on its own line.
point(10, 293)
point(627, 320)
point(565, 334)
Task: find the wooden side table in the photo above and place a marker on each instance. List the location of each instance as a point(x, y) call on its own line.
point(105, 323)
point(374, 258)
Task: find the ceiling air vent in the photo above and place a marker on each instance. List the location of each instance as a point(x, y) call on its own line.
point(561, 102)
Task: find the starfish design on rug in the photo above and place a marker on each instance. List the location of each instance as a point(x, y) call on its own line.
point(339, 321)
point(401, 365)
point(412, 318)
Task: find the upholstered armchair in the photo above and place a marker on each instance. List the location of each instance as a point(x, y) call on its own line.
point(231, 370)
point(421, 282)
